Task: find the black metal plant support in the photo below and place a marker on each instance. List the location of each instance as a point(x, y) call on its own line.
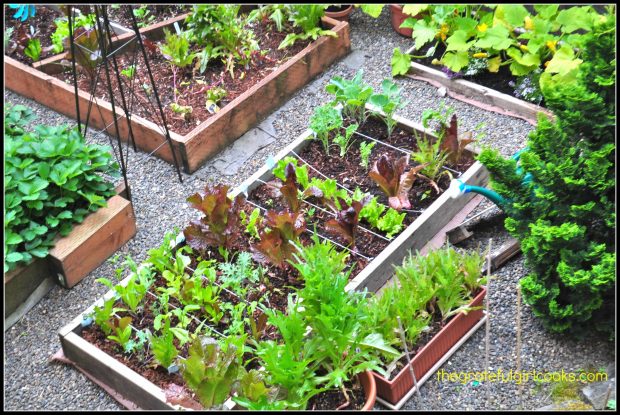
point(105, 58)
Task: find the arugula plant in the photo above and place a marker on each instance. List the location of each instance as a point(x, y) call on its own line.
point(344, 141)
point(52, 180)
point(102, 315)
point(219, 224)
point(390, 175)
point(325, 119)
point(365, 152)
point(276, 246)
point(352, 95)
point(222, 34)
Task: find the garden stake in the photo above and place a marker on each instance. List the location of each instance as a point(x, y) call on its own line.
point(402, 339)
point(488, 322)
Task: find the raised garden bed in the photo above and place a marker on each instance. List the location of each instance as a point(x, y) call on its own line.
point(475, 94)
point(73, 256)
point(197, 145)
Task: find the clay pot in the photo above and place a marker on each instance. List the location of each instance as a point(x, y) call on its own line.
point(370, 389)
point(398, 17)
point(340, 13)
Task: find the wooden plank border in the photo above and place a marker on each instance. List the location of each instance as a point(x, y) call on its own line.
point(478, 95)
point(211, 136)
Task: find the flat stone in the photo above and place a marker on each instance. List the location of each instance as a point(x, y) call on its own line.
point(442, 91)
point(231, 159)
point(355, 59)
point(569, 405)
point(596, 392)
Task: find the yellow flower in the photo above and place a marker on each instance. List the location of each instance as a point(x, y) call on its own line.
point(443, 32)
point(551, 45)
point(529, 23)
point(523, 48)
point(547, 63)
point(480, 55)
point(482, 27)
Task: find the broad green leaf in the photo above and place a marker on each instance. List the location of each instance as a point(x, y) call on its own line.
point(373, 10)
point(575, 18)
point(510, 15)
point(414, 9)
point(458, 41)
point(563, 61)
point(519, 70)
point(456, 61)
point(13, 238)
point(14, 257)
point(423, 32)
point(497, 38)
point(526, 59)
point(466, 23)
point(401, 62)
point(546, 11)
point(39, 252)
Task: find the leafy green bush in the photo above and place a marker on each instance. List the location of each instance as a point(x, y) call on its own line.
point(52, 179)
point(561, 198)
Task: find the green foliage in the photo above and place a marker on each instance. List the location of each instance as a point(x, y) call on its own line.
point(176, 49)
point(52, 179)
point(325, 119)
point(88, 54)
point(390, 175)
point(440, 283)
point(431, 154)
point(184, 110)
point(61, 34)
point(212, 368)
point(33, 49)
point(222, 33)
point(352, 95)
point(251, 222)
point(479, 37)
point(391, 223)
point(129, 71)
point(365, 152)
point(276, 245)
point(235, 274)
point(344, 141)
point(123, 331)
point(306, 17)
point(388, 102)
point(143, 15)
point(561, 196)
point(163, 347)
point(401, 62)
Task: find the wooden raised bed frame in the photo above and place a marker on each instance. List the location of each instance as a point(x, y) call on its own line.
point(148, 396)
point(211, 136)
point(74, 256)
point(478, 95)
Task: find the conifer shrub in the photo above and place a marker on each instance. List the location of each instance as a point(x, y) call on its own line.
point(561, 195)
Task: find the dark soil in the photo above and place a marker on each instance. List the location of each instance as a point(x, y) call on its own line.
point(190, 84)
point(335, 399)
point(156, 13)
point(43, 24)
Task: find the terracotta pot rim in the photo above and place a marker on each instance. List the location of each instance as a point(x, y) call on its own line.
point(479, 297)
point(371, 392)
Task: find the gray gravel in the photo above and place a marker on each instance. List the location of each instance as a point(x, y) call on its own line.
point(159, 202)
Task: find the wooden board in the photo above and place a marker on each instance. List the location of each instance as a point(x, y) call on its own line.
point(415, 236)
point(210, 137)
point(473, 93)
point(93, 241)
point(20, 283)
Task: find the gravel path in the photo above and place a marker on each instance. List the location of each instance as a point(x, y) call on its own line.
point(31, 383)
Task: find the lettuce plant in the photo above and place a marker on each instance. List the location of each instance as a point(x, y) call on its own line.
point(347, 219)
point(306, 17)
point(163, 347)
point(276, 246)
point(218, 226)
point(390, 175)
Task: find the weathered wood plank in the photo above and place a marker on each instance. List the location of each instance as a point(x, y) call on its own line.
point(22, 281)
point(93, 241)
point(511, 105)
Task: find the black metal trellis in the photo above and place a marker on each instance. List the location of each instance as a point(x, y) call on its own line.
point(105, 57)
